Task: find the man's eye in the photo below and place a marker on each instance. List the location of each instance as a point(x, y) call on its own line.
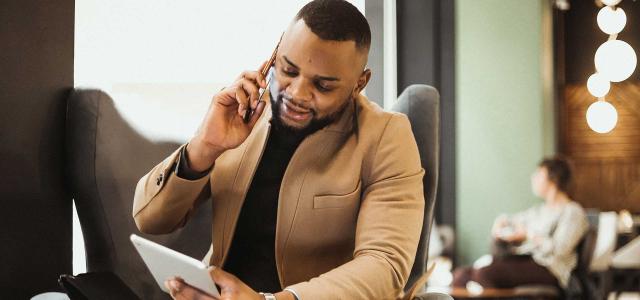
point(289, 73)
point(322, 87)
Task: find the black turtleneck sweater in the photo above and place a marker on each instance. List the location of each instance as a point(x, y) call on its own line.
point(252, 257)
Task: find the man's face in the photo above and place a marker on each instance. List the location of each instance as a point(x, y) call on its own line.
point(315, 79)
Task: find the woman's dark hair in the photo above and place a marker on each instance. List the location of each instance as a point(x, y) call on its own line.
point(558, 170)
point(336, 20)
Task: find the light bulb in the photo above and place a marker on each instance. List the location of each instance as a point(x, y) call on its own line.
point(602, 117)
point(615, 60)
point(610, 2)
point(597, 85)
point(611, 20)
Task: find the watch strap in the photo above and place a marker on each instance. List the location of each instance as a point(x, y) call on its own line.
point(268, 296)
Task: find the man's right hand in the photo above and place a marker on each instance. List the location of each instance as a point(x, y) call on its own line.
point(223, 127)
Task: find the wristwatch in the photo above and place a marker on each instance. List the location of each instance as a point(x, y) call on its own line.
point(268, 296)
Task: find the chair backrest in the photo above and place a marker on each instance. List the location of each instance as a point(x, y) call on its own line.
point(421, 104)
point(585, 250)
point(579, 284)
point(105, 158)
point(606, 237)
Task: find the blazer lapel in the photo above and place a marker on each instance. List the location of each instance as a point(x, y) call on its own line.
point(315, 150)
point(250, 157)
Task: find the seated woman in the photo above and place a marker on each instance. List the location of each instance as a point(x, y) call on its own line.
point(538, 245)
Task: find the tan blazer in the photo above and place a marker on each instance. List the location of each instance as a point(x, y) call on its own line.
point(350, 208)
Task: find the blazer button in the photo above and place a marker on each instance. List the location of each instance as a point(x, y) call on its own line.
point(159, 179)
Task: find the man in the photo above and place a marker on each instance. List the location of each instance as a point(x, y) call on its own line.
point(319, 195)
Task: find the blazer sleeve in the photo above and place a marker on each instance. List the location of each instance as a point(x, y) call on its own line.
point(163, 201)
point(388, 227)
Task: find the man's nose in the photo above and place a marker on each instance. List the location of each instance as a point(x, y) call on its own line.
point(300, 90)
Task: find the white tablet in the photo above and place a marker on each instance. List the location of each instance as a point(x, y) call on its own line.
point(165, 263)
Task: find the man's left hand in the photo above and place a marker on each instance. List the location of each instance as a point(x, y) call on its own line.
point(231, 288)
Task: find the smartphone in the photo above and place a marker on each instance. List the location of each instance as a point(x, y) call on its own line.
point(264, 72)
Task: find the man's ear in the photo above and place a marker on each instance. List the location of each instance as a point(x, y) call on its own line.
point(362, 82)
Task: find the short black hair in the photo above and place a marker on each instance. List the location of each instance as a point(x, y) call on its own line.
point(558, 171)
point(336, 20)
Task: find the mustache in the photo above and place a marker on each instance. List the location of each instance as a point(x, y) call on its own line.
point(282, 96)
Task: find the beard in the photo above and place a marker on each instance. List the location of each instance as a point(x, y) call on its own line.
point(300, 133)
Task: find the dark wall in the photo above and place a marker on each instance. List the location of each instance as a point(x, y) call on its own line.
point(426, 56)
point(36, 71)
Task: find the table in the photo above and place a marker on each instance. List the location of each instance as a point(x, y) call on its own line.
point(516, 293)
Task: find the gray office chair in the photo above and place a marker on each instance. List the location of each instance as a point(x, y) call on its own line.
point(421, 104)
point(105, 159)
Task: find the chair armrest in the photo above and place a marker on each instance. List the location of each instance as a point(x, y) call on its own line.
point(96, 285)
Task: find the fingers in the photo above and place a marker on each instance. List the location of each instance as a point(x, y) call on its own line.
point(246, 94)
point(252, 91)
point(168, 285)
point(175, 288)
point(182, 291)
point(257, 113)
point(254, 76)
point(221, 277)
point(242, 99)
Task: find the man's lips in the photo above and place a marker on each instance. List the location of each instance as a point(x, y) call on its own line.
point(295, 108)
point(294, 112)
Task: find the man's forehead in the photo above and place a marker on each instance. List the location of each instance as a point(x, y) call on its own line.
point(304, 48)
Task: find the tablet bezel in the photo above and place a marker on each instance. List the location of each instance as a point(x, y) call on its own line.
point(165, 263)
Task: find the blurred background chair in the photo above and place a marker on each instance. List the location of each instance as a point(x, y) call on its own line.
point(615, 269)
point(580, 286)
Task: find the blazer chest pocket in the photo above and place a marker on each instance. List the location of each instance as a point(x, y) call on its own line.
point(337, 201)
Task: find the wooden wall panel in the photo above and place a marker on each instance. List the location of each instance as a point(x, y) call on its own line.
point(607, 166)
